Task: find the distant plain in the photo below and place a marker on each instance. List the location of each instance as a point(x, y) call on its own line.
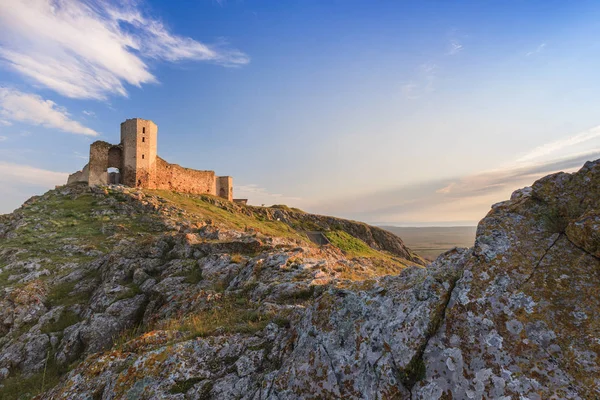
point(430, 242)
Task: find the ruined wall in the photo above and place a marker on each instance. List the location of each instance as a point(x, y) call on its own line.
point(139, 166)
point(103, 155)
point(79, 176)
point(224, 186)
point(139, 141)
point(185, 180)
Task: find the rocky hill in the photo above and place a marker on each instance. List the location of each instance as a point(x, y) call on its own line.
point(119, 293)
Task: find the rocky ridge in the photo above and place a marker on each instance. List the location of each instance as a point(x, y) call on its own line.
point(119, 293)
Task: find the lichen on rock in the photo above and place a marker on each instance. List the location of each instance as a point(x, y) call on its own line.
point(120, 293)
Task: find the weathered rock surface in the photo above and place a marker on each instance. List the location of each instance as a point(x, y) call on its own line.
point(158, 296)
point(523, 320)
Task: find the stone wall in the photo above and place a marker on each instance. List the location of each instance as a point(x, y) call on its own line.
point(224, 187)
point(139, 165)
point(179, 179)
point(103, 155)
point(79, 176)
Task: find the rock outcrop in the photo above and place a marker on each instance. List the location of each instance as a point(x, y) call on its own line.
point(117, 293)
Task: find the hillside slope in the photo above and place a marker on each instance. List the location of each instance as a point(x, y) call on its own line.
point(117, 293)
point(82, 270)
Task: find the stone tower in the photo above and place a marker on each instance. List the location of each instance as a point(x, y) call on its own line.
point(139, 140)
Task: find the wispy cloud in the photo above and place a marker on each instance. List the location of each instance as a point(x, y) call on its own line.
point(26, 174)
point(89, 113)
point(455, 47)
point(463, 199)
point(537, 50)
point(3, 138)
point(258, 195)
point(49, 42)
point(561, 144)
point(32, 109)
point(423, 82)
point(454, 42)
point(77, 154)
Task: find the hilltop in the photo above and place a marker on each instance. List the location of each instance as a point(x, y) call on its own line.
point(118, 293)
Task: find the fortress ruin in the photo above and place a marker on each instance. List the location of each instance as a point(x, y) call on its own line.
point(134, 163)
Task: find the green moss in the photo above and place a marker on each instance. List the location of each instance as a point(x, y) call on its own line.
point(184, 386)
point(414, 372)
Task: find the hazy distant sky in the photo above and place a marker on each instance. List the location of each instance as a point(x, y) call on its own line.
point(395, 112)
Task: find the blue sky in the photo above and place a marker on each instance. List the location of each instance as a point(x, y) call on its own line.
point(396, 112)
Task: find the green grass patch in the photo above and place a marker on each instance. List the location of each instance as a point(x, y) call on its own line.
point(132, 291)
point(350, 245)
point(204, 207)
point(66, 319)
point(227, 315)
point(194, 276)
point(24, 388)
point(61, 295)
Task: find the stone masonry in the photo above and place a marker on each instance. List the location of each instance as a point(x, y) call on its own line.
point(138, 165)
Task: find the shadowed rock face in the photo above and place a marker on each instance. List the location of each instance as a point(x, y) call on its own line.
point(168, 305)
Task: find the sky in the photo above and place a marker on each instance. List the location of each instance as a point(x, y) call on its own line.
point(408, 113)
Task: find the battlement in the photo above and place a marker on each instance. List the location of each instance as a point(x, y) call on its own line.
point(134, 162)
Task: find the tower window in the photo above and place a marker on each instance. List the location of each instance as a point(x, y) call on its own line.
point(142, 156)
point(144, 130)
point(143, 139)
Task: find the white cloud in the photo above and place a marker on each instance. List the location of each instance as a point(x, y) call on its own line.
point(31, 108)
point(558, 145)
point(50, 41)
point(3, 138)
point(538, 49)
point(25, 174)
point(89, 113)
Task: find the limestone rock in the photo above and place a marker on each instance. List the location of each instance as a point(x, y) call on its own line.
point(198, 298)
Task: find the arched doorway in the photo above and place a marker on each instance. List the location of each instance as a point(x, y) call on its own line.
point(114, 176)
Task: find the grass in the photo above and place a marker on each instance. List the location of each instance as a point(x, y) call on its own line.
point(350, 245)
point(300, 295)
point(184, 386)
point(204, 207)
point(60, 295)
point(58, 220)
point(132, 291)
point(66, 319)
point(383, 262)
point(557, 219)
point(194, 276)
point(227, 315)
point(20, 387)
